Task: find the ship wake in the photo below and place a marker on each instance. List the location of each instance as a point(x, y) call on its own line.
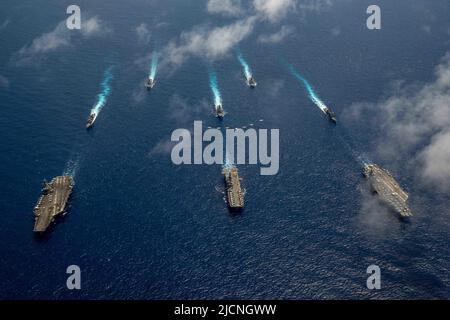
point(346, 141)
point(102, 97)
point(71, 168)
point(154, 65)
point(352, 147)
point(311, 93)
point(228, 163)
point(244, 64)
point(215, 88)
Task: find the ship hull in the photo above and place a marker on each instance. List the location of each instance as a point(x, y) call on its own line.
point(251, 83)
point(91, 120)
point(330, 115)
point(234, 194)
point(149, 84)
point(387, 189)
point(218, 110)
point(53, 202)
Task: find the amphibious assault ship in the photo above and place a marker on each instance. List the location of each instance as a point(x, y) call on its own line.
point(387, 188)
point(235, 196)
point(251, 82)
point(52, 202)
point(91, 119)
point(219, 111)
point(331, 115)
point(149, 83)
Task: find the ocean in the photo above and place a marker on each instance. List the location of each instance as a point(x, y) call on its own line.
point(140, 227)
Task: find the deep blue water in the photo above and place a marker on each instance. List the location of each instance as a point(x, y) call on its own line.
point(141, 227)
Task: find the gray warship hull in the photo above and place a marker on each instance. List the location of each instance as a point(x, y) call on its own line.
point(387, 188)
point(53, 201)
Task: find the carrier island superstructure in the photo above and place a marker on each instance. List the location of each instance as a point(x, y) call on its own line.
point(53, 201)
point(387, 188)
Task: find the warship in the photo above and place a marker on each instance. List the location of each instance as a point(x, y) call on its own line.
point(91, 119)
point(219, 111)
point(331, 115)
point(53, 201)
point(387, 188)
point(149, 83)
point(251, 82)
point(235, 196)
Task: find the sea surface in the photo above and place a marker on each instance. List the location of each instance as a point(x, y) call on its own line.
point(140, 227)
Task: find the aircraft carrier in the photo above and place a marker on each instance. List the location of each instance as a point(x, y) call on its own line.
point(384, 184)
point(235, 196)
point(52, 202)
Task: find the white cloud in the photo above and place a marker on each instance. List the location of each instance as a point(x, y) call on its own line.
point(436, 160)
point(426, 29)
point(138, 95)
point(4, 24)
point(336, 31)
point(276, 85)
point(276, 10)
point(315, 5)
point(58, 38)
point(225, 7)
point(143, 34)
point(415, 126)
point(206, 42)
point(4, 82)
point(276, 37)
point(273, 10)
point(215, 42)
point(183, 112)
point(94, 27)
point(52, 40)
point(163, 147)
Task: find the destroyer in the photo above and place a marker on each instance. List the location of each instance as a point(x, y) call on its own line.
point(251, 82)
point(387, 188)
point(331, 115)
point(149, 83)
point(52, 202)
point(235, 196)
point(91, 119)
point(219, 111)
